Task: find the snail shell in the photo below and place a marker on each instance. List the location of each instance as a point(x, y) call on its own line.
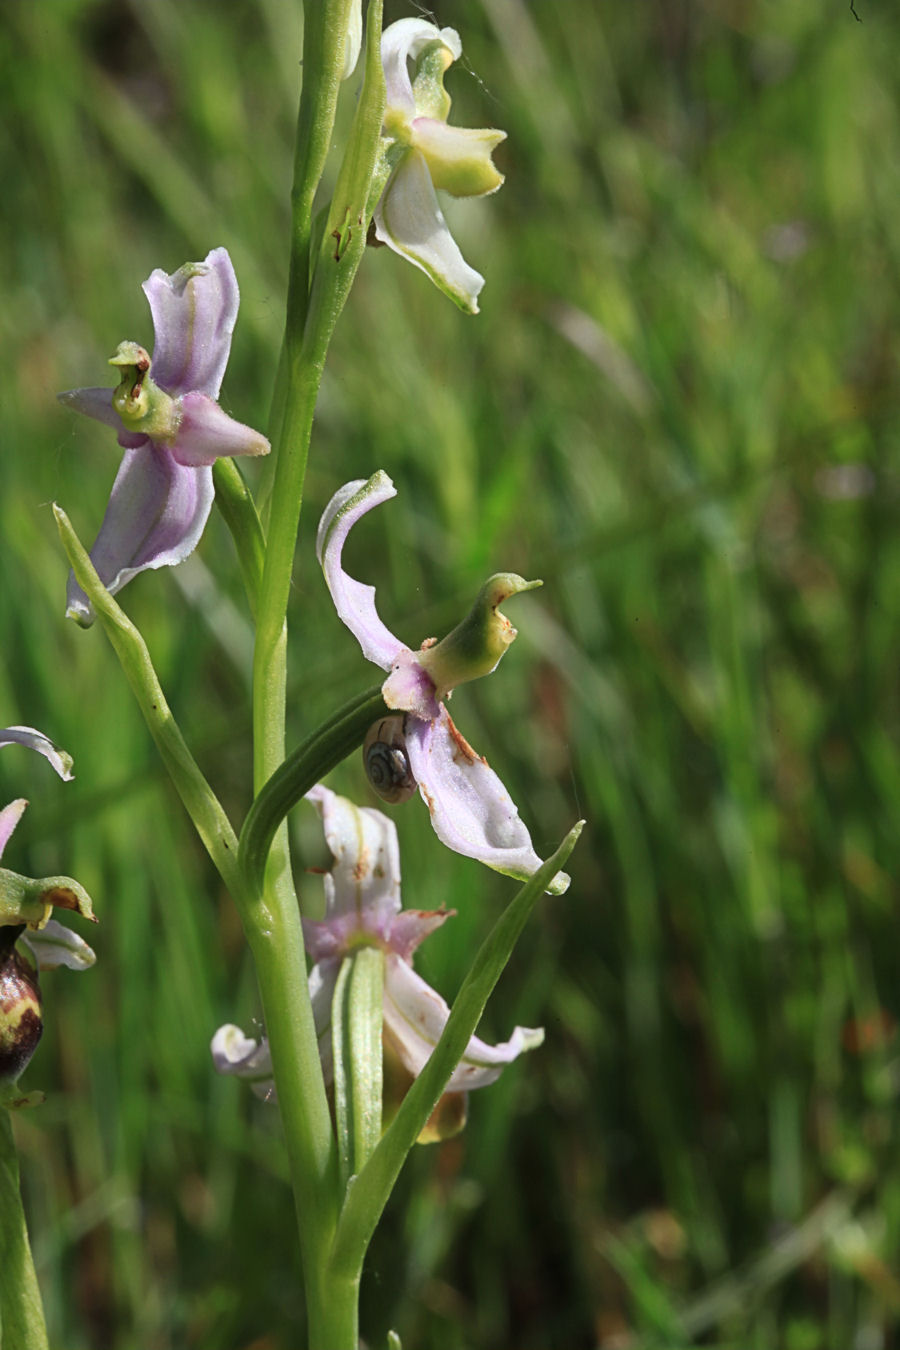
point(386, 760)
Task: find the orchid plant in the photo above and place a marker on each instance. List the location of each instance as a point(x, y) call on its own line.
point(361, 1055)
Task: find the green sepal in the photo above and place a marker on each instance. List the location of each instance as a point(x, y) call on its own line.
point(369, 1193)
point(357, 1015)
point(28, 900)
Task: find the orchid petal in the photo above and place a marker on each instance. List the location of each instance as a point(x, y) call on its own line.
point(206, 433)
point(364, 882)
point(155, 517)
point(401, 42)
point(56, 945)
point(411, 927)
point(414, 1018)
point(235, 1053)
point(194, 312)
point(96, 403)
point(409, 688)
point(9, 819)
point(409, 220)
point(353, 600)
point(458, 158)
point(471, 810)
point(36, 740)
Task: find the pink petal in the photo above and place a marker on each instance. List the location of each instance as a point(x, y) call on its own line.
point(194, 312)
point(415, 1016)
point(155, 517)
point(9, 819)
point(353, 600)
point(206, 433)
point(471, 810)
point(96, 403)
point(409, 688)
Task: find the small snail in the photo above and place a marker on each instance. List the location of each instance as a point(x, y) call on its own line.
point(386, 760)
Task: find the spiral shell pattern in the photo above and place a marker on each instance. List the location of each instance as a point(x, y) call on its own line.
point(386, 761)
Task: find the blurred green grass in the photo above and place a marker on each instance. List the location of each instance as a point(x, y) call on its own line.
point(678, 406)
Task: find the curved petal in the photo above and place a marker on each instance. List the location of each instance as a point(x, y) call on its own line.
point(194, 312)
point(206, 433)
point(409, 220)
point(364, 882)
point(458, 158)
point(401, 42)
point(414, 1017)
point(353, 600)
point(36, 740)
point(471, 810)
point(9, 819)
point(56, 945)
point(155, 517)
point(240, 1055)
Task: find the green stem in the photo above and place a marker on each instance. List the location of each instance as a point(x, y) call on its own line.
point(21, 1312)
point(278, 949)
point(316, 756)
point(324, 33)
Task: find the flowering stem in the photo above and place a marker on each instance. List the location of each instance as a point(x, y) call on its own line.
point(21, 1313)
point(277, 941)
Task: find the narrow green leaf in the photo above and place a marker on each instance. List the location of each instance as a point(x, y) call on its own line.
point(313, 758)
point(199, 800)
point(368, 1195)
point(21, 1314)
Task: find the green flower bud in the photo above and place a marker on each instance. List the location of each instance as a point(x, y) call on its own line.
point(141, 404)
point(476, 645)
point(21, 1022)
